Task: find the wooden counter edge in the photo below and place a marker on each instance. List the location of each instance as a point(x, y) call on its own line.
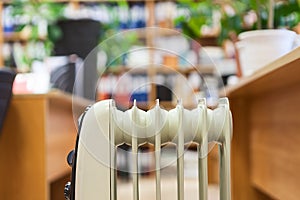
point(58, 95)
point(268, 69)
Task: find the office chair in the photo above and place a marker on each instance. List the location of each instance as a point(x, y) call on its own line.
point(80, 37)
point(63, 77)
point(103, 127)
point(7, 77)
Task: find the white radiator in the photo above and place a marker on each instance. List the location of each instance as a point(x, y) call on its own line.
point(103, 127)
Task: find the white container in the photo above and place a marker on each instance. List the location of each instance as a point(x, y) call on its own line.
point(260, 47)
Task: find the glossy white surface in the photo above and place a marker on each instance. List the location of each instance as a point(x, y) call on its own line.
point(104, 127)
point(260, 47)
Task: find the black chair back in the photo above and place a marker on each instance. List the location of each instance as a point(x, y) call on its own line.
point(7, 77)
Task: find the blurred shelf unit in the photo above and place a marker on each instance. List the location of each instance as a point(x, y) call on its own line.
point(154, 15)
point(10, 36)
point(75, 1)
point(17, 37)
point(140, 33)
point(126, 85)
point(119, 70)
point(163, 32)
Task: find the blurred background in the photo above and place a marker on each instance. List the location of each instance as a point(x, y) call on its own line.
point(133, 50)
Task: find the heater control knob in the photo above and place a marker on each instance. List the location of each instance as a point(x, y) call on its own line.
point(70, 158)
point(67, 191)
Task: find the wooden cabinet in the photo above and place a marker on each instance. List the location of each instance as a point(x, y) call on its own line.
point(38, 133)
point(265, 146)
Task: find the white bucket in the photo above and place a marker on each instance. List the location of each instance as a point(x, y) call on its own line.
point(260, 47)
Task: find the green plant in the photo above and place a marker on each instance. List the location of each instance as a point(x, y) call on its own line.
point(37, 16)
point(235, 16)
point(268, 14)
point(200, 13)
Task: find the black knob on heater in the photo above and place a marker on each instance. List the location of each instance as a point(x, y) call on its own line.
point(67, 191)
point(70, 158)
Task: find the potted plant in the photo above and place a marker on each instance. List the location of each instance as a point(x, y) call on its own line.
point(236, 17)
point(268, 37)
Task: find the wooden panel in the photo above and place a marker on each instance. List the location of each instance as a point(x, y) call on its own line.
point(275, 125)
point(61, 117)
point(22, 151)
point(63, 100)
point(241, 186)
point(38, 133)
point(57, 188)
point(240, 151)
point(61, 138)
point(265, 160)
point(63, 112)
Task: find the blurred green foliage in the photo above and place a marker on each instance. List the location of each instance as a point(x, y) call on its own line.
point(35, 11)
point(32, 12)
point(286, 15)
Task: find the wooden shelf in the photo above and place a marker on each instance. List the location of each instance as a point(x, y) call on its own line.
point(118, 70)
point(17, 37)
point(13, 37)
point(162, 32)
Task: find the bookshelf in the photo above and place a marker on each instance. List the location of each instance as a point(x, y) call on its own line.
point(146, 35)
